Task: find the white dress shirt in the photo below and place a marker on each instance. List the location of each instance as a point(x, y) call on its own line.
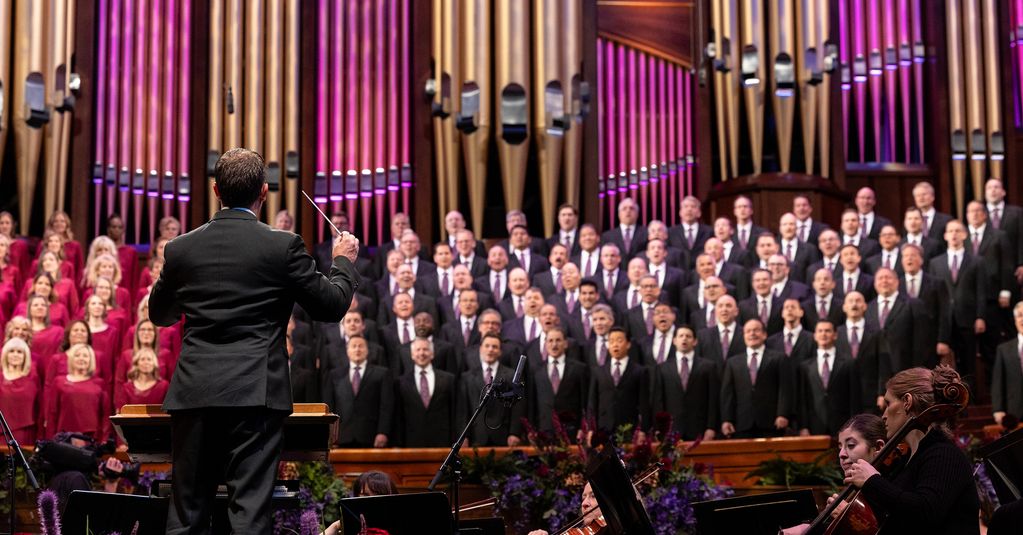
point(431, 379)
point(830, 352)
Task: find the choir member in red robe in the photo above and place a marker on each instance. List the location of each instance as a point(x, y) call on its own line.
point(146, 278)
point(117, 315)
point(43, 285)
point(10, 278)
point(20, 391)
point(106, 336)
point(144, 385)
point(78, 402)
point(60, 224)
point(145, 337)
point(76, 333)
point(46, 337)
point(21, 254)
point(63, 282)
point(107, 267)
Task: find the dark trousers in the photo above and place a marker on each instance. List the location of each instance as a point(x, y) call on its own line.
point(236, 446)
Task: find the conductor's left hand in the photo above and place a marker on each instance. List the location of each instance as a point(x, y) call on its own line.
point(346, 245)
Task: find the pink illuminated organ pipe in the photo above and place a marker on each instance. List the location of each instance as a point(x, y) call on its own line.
point(382, 124)
point(845, 68)
point(662, 124)
point(653, 150)
point(918, 77)
point(601, 129)
point(124, 168)
point(347, 183)
point(620, 75)
point(905, 53)
point(155, 105)
point(138, 182)
point(640, 83)
point(859, 71)
point(890, 58)
point(112, 104)
point(99, 166)
point(687, 124)
point(367, 135)
point(406, 165)
point(320, 191)
point(184, 192)
point(170, 118)
point(633, 123)
point(673, 139)
point(612, 131)
point(875, 69)
point(391, 166)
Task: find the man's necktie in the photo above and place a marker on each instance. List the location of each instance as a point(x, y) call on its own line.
point(690, 239)
point(649, 320)
point(609, 288)
point(849, 285)
point(567, 240)
point(488, 376)
point(825, 371)
point(753, 368)
point(996, 218)
point(558, 286)
point(763, 310)
point(424, 389)
point(587, 325)
point(601, 351)
point(822, 312)
point(356, 380)
point(524, 256)
point(854, 341)
point(635, 298)
point(976, 243)
point(519, 312)
point(788, 344)
point(831, 266)
point(788, 251)
point(684, 372)
point(888, 261)
point(627, 240)
point(395, 289)
point(802, 232)
point(725, 343)
point(570, 302)
point(497, 287)
point(406, 335)
point(955, 268)
point(588, 270)
point(912, 287)
point(467, 333)
point(743, 239)
point(555, 377)
point(663, 348)
point(927, 225)
point(617, 374)
point(884, 313)
point(863, 226)
point(532, 331)
point(445, 285)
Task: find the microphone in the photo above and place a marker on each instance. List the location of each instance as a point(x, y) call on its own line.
point(517, 378)
point(511, 392)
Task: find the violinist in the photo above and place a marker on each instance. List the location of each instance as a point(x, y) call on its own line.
point(859, 438)
point(593, 519)
point(933, 490)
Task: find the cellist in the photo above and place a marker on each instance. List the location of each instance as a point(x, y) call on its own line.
point(932, 491)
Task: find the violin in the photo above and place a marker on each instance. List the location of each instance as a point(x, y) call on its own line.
point(576, 526)
point(857, 518)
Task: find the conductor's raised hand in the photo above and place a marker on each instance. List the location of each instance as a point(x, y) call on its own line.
point(346, 245)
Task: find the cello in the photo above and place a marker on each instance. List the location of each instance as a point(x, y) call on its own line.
point(857, 518)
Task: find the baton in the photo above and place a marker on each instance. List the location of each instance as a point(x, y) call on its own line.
point(325, 218)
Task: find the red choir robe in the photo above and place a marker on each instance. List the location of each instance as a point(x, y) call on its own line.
point(56, 366)
point(164, 363)
point(129, 260)
point(58, 313)
point(20, 401)
point(78, 407)
point(67, 293)
point(47, 341)
point(19, 255)
point(127, 394)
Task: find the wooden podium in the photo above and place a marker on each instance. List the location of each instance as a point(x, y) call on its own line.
point(146, 429)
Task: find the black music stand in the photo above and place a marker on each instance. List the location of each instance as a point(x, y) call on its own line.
point(1003, 461)
point(619, 503)
point(399, 514)
point(755, 514)
point(106, 512)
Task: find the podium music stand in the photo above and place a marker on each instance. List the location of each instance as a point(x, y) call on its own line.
point(755, 514)
point(423, 512)
point(146, 429)
point(619, 503)
point(1003, 461)
point(106, 512)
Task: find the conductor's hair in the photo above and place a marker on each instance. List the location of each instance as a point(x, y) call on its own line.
point(239, 175)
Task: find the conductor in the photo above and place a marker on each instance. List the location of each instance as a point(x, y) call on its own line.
point(236, 280)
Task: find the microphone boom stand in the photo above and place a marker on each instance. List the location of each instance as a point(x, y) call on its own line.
point(15, 451)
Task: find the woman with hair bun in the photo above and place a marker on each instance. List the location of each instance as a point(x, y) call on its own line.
point(933, 491)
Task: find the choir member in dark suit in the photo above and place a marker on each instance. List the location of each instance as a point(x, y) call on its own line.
point(824, 385)
point(870, 222)
point(934, 221)
point(454, 222)
point(444, 357)
point(905, 328)
point(462, 332)
point(448, 306)
point(782, 285)
point(725, 233)
point(670, 279)
point(913, 225)
point(20, 391)
point(440, 282)
point(620, 392)
point(852, 277)
point(990, 245)
point(922, 285)
point(387, 282)
point(1007, 374)
point(793, 340)
point(762, 304)
point(632, 295)
point(579, 322)
point(889, 239)
point(611, 278)
point(595, 353)
point(525, 329)
point(694, 298)
point(799, 255)
point(824, 304)
point(399, 224)
point(851, 235)
point(516, 218)
point(639, 320)
point(427, 399)
point(78, 402)
point(862, 340)
point(807, 229)
point(363, 396)
point(559, 387)
point(412, 253)
point(713, 290)
point(514, 306)
point(490, 323)
point(587, 255)
point(399, 332)
point(470, 253)
point(495, 282)
point(145, 386)
point(725, 338)
point(501, 426)
point(629, 236)
point(332, 352)
point(568, 229)
point(421, 302)
point(567, 301)
point(965, 280)
point(732, 274)
point(1008, 219)
point(757, 395)
point(550, 279)
point(660, 347)
point(829, 245)
point(746, 231)
point(522, 253)
point(690, 234)
point(673, 256)
point(687, 387)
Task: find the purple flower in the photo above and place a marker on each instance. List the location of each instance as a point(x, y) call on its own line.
point(310, 522)
point(49, 518)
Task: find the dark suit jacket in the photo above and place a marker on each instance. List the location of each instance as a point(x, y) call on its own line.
point(482, 284)
point(906, 334)
point(446, 306)
point(805, 255)
point(305, 385)
point(444, 357)
point(391, 339)
point(637, 244)
point(803, 347)
point(627, 403)
point(333, 352)
point(674, 257)
point(876, 262)
point(755, 230)
point(1012, 225)
point(233, 353)
point(507, 421)
point(995, 254)
point(875, 229)
point(937, 229)
point(479, 267)
point(864, 285)
point(621, 282)
point(811, 314)
point(812, 269)
point(816, 227)
point(570, 401)
point(930, 246)
point(794, 289)
point(752, 409)
point(432, 426)
point(694, 408)
point(736, 276)
point(537, 264)
point(635, 325)
point(420, 303)
point(1007, 380)
point(677, 239)
point(367, 414)
point(871, 366)
point(966, 301)
point(749, 308)
point(537, 245)
point(822, 410)
point(709, 344)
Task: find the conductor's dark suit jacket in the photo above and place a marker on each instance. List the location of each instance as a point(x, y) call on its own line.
point(694, 408)
point(236, 281)
point(367, 414)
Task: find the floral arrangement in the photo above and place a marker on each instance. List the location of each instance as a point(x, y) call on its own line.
point(823, 471)
point(544, 491)
point(319, 496)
